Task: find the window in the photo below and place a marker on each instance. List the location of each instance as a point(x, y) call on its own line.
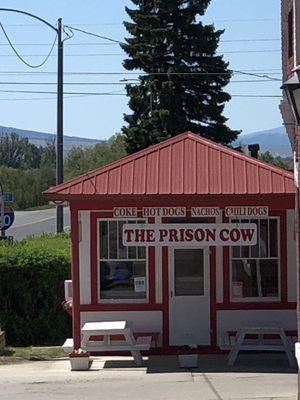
point(255, 269)
point(123, 272)
point(189, 272)
point(291, 33)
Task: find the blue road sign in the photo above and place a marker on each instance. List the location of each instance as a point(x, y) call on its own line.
point(9, 217)
point(8, 197)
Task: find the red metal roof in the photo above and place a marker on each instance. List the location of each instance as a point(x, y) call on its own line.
point(185, 164)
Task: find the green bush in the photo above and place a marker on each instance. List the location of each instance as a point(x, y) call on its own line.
point(32, 274)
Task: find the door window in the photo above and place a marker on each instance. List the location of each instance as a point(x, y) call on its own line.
point(189, 272)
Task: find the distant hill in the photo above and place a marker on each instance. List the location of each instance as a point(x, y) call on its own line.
point(275, 141)
point(41, 138)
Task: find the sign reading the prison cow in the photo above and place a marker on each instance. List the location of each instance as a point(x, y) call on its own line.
point(190, 235)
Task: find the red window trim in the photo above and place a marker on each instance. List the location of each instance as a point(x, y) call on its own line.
point(95, 216)
point(283, 269)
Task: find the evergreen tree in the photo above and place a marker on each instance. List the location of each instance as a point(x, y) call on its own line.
point(182, 85)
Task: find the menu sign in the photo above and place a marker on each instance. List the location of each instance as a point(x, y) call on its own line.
point(164, 212)
point(205, 212)
point(125, 212)
point(247, 211)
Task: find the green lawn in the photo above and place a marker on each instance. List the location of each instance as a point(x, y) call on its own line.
point(17, 354)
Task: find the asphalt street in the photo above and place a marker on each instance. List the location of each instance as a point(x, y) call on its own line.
point(160, 379)
point(36, 223)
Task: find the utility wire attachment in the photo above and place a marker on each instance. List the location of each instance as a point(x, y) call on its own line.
point(68, 32)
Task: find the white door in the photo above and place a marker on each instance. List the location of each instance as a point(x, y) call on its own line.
point(189, 310)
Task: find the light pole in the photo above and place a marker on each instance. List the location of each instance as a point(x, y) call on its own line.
point(59, 132)
point(292, 91)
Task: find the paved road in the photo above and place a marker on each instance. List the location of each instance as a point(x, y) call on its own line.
point(116, 378)
point(36, 223)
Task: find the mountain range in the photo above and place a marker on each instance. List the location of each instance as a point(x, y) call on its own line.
point(273, 140)
point(41, 138)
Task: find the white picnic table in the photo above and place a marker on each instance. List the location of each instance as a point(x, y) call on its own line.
point(260, 343)
point(111, 328)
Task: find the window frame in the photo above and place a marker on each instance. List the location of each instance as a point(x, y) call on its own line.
point(278, 258)
point(120, 301)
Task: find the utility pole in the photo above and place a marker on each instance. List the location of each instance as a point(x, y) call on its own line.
point(59, 139)
point(59, 136)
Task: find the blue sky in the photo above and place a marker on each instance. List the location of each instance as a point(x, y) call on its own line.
point(250, 43)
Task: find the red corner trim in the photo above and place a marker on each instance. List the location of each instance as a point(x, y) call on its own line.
point(75, 278)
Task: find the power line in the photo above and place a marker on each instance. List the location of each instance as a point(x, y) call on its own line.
point(115, 44)
point(247, 20)
point(53, 98)
point(48, 92)
point(120, 24)
point(120, 42)
point(256, 95)
point(250, 51)
point(240, 71)
point(93, 34)
point(123, 54)
point(249, 40)
point(116, 83)
point(262, 75)
point(117, 93)
point(20, 57)
point(257, 75)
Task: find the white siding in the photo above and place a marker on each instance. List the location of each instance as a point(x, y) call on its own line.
point(231, 320)
point(85, 257)
point(158, 271)
point(140, 321)
point(291, 256)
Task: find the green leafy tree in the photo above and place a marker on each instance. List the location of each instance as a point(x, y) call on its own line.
point(48, 153)
point(27, 186)
point(282, 162)
point(182, 88)
point(17, 152)
point(81, 160)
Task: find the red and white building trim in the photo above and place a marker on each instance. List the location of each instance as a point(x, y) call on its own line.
point(189, 294)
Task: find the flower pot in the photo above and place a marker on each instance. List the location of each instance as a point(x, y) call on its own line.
point(80, 363)
point(188, 360)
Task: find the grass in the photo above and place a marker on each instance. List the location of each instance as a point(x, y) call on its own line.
point(12, 355)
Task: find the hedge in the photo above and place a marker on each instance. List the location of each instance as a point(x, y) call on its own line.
point(32, 274)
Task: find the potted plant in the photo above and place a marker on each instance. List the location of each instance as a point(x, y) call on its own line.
point(188, 357)
point(80, 360)
point(67, 305)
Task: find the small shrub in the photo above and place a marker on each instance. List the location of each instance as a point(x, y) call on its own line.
point(32, 288)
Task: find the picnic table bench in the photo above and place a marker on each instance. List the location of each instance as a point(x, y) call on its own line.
point(260, 343)
point(114, 328)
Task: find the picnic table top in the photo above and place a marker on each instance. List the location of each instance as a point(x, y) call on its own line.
point(261, 329)
point(104, 326)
